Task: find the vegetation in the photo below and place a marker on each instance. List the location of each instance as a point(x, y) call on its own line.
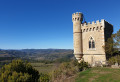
point(114, 59)
point(99, 75)
point(22, 72)
point(44, 68)
point(19, 70)
point(109, 47)
point(38, 54)
point(112, 48)
point(53, 64)
point(68, 69)
point(44, 78)
point(117, 39)
point(82, 66)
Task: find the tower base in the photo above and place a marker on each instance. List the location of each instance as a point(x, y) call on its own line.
point(95, 59)
point(79, 57)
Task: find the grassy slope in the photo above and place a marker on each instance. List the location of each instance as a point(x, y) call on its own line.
point(99, 75)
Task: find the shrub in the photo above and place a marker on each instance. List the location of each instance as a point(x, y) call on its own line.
point(18, 71)
point(68, 69)
point(44, 78)
point(83, 66)
point(113, 60)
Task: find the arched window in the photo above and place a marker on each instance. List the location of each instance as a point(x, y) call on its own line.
point(91, 43)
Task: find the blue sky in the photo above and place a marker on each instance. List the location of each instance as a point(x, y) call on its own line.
point(42, 24)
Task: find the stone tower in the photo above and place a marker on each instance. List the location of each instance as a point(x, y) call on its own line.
point(77, 19)
point(89, 39)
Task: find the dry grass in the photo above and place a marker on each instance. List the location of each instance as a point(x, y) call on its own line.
point(44, 68)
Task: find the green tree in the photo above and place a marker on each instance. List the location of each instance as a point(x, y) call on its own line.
point(117, 39)
point(18, 71)
point(109, 46)
point(112, 45)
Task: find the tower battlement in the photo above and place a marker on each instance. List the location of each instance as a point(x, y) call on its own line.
point(78, 16)
point(93, 23)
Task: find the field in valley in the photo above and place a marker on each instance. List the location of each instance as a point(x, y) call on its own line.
point(44, 68)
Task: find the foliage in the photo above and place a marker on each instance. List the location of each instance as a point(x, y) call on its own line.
point(38, 54)
point(64, 59)
point(82, 66)
point(6, 58)
point(109, 46)
point(68, 69)
point(112, 45)
point(113, 60)
point(117, 39)
point(18, 71)
point(44, 78)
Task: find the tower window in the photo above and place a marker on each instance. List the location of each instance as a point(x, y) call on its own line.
point(91, 43)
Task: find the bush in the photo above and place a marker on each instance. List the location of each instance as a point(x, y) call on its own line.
point(44, 78)
point(18, 71)
point(83, 66)
point(68, 69)
point(113, 60)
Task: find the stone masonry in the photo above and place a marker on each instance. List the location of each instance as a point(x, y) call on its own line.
point(89, 39)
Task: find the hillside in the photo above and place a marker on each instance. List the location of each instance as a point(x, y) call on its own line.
point(38, 54)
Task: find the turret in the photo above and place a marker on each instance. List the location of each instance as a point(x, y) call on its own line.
point(77, 19)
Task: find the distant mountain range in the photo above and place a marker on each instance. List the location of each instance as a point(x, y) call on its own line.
point(38, 54)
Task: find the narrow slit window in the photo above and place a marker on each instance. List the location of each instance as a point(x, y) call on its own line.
point(93, 44)
point(89, 44)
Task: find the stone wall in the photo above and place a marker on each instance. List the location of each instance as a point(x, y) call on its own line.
point(98, 31)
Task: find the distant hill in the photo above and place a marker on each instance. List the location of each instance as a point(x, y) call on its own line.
point(38, 54)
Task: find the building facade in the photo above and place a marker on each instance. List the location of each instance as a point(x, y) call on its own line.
point(89, 39)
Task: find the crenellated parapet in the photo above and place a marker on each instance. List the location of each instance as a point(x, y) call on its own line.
point(95, 25)
point(77, 16)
